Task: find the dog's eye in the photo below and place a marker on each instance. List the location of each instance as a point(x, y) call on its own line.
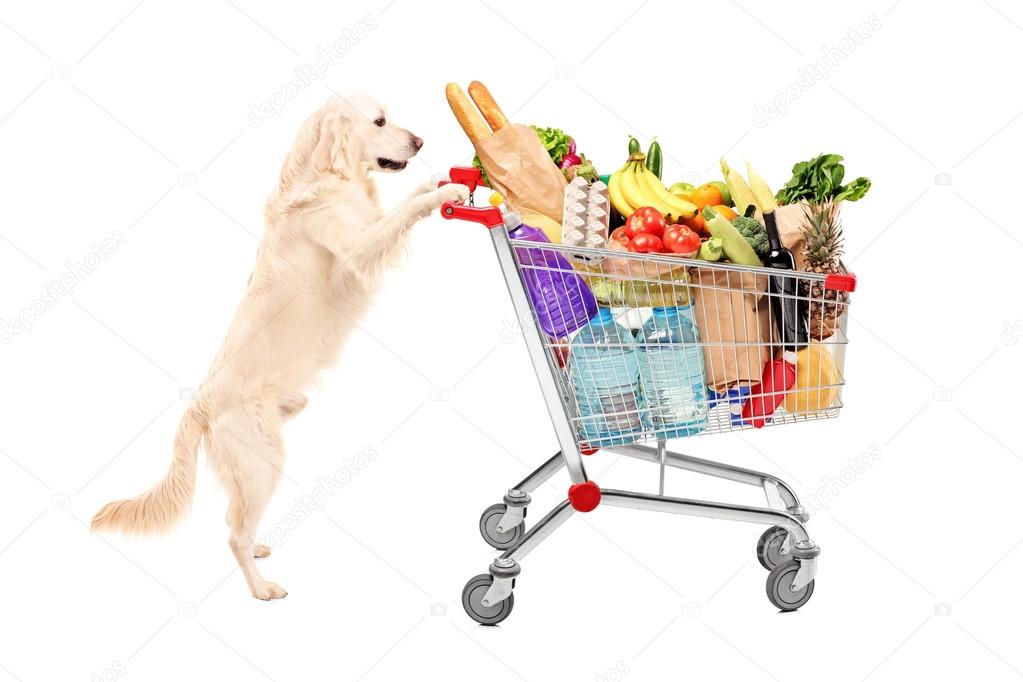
point(380, 122)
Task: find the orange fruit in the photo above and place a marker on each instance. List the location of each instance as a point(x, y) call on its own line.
point(728, 213)
point(698, 223)
point(707, 195)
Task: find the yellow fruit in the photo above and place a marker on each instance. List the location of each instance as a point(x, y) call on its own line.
point(496, 199)
point(551, 228)
point(652, 185)
point(817, 381)
point(634, 193)
point(614, 192)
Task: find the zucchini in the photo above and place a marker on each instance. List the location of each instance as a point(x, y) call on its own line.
point(654, 162)
point(711, 250)
point(633, 146)
point(736, 248)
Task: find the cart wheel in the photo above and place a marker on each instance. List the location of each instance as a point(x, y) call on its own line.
point(488, 528)
point(472, 598)
point(769, 547)
point(779, 587)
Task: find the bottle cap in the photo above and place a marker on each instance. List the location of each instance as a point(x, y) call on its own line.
point(669, 309)
point(512, 220)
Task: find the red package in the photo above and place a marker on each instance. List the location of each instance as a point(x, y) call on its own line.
point(779, 376)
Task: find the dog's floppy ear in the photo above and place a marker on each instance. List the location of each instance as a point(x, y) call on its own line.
point(334, 150)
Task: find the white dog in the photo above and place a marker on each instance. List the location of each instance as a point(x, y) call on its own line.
point(325, 248)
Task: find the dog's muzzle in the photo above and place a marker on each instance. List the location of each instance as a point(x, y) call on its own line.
point(391, 164)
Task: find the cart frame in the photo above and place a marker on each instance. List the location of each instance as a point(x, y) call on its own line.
point(785, 549)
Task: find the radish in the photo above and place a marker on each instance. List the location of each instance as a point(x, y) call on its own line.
point(569, 160)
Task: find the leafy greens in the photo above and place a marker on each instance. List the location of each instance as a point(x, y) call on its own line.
point(820, 179)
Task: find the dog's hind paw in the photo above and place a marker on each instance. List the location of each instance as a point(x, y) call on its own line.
point(268, 591)
point(260, 551)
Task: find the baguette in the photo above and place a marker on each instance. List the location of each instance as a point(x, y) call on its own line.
point(488, 107)
point(472, 123)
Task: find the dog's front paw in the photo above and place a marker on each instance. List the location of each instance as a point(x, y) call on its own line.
point(428, 185)
point(267, 591)
point(452, 192)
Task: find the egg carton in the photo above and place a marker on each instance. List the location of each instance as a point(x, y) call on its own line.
point(586, 218)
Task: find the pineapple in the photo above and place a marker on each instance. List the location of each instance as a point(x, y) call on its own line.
point(822, 253)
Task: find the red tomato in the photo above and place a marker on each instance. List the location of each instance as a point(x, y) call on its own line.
point(672, 235)
point(644, 242)
point(681, 239)
point(647, 210)
point(646, 220)
point(619, 235)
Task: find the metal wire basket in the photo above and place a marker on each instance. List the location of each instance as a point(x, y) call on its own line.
point(732, 311)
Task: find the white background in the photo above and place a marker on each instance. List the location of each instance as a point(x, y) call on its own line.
point(135, 118)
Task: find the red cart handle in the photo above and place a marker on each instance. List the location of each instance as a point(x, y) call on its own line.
point(471, 177)
point(488, 216)
point(840, 281)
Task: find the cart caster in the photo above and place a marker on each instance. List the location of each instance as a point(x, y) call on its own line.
point(779, 586)
point(488, 527)
point(771, 549)
point(472, 601)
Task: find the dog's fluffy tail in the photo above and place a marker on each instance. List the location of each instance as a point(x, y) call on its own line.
point(159, 508)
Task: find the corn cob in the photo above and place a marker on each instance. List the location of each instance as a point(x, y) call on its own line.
point(762, 194)
point(740, 191)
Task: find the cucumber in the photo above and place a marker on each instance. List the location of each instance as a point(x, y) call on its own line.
point(633, 146)
point(654, 160)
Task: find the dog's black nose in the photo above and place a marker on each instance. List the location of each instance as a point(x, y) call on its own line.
point(417, 142)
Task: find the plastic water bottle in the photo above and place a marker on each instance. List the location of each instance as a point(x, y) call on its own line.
point(605, 375)
point(560, 297)
point(671, 374)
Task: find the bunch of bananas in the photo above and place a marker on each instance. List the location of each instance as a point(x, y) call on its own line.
point(634, 186)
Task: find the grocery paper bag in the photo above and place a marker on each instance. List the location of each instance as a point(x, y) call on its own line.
point(521, 169)
point(790, 220)
point(733, 317)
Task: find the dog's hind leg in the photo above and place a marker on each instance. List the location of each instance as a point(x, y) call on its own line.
point(247, 451)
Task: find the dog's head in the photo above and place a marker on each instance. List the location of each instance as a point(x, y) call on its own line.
point(355, 135)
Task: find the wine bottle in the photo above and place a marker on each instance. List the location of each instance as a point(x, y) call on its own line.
point(789, 312)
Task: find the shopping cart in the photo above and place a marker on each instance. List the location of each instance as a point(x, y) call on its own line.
point(736, 311)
